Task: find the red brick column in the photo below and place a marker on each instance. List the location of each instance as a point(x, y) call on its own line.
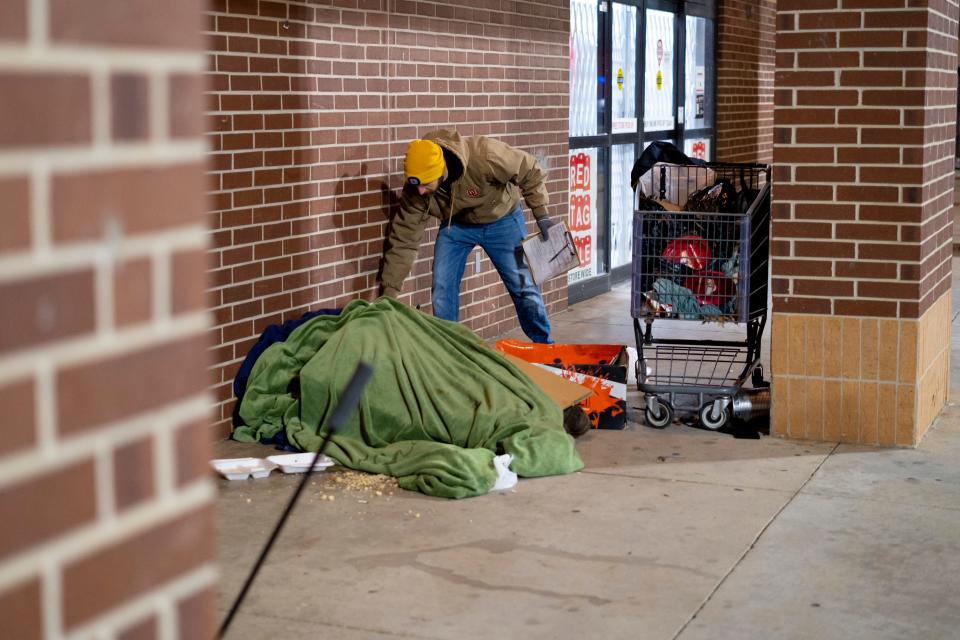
point(310, 111)
point(863, 154)
point(745, 67)
point(104, 493)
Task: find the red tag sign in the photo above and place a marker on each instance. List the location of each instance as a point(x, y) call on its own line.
point(580, 172)
point(584, 249)
point(580, 213)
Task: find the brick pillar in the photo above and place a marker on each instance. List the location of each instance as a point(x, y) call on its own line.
point(105, 498)
point(745, 66)
point(863, 154)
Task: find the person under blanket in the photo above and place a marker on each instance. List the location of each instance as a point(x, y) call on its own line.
point(440, 404)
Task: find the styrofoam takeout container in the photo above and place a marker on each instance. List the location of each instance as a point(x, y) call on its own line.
point(300, 462)
point(243, 468)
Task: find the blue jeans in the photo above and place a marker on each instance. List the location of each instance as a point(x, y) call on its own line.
point(501, 240)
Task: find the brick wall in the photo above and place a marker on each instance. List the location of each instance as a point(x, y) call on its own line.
point(863, 180)
point(309, 112)
point(103, 490)
point(745, 69)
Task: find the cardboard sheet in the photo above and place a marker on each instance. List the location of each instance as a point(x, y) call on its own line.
point(563, 392)
point(607, 407)
point(553, 256)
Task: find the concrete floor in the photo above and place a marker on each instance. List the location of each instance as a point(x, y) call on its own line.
point(681, 533)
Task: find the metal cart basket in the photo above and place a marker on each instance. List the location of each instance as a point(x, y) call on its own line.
point(700, 253)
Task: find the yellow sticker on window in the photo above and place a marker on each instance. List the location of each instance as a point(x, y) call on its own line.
point(620, 79)
point(659, 80)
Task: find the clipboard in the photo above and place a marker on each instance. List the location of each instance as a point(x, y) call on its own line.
point(551, 257)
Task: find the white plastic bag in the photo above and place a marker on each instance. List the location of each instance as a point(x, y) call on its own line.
point(506, 479)
point(679, 183)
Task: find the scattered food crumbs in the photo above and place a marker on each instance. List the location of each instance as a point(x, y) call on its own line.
point(661, 459)
point(416, 516)
point(362, 501)
point(249, 500)
point(368, 483)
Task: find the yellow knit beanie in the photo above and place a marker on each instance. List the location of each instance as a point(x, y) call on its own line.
point(424, 162)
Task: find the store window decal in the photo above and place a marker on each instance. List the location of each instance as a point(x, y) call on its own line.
point(582, 221)
point(697, 148)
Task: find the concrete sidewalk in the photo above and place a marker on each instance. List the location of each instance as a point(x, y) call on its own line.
point(680, 533)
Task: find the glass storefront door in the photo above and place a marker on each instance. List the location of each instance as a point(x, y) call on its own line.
point(698, 104)
point(640, 70)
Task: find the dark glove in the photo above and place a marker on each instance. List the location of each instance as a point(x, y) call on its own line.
point(544, 224)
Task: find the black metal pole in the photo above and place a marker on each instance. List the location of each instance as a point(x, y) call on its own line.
point(343, 410)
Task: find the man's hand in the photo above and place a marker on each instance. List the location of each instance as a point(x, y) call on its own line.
point(544, 224)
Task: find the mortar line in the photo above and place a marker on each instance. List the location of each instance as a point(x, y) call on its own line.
point(753, 544)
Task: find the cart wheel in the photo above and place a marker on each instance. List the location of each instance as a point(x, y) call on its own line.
point(709, 417)
point(757, 378)
point(661, 420)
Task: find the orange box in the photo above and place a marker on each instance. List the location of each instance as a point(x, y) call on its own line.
point(605, 369)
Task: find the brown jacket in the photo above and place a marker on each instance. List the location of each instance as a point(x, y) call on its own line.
point(492, 178)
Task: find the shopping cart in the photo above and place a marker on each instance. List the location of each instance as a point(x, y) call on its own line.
point(700, 253)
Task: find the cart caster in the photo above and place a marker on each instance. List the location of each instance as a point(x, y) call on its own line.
point(714, 415)
point(757, 378)
point(659, 415)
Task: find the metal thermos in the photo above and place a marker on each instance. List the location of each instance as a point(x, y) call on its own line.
point(751, 403)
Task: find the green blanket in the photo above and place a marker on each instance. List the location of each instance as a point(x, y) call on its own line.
point(439, 406)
